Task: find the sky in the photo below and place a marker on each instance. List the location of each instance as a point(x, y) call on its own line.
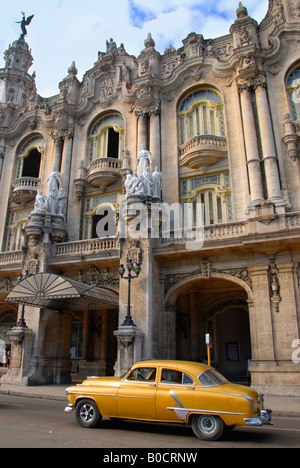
point(63, 31)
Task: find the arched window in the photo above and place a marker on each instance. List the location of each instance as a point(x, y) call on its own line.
point(99, 209)
point(208, 199)
point(201, 113)
point(30, 157)
point(293, 91)
point(15, 230)
point(106, 137)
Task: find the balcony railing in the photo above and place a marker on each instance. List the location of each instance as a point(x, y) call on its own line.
point(202, 151)
point(85, 247)
point(25, 189)
point(103, 171)
point(11, 258)
point(213, 232)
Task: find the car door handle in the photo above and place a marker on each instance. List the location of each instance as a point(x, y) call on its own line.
point(153, 384)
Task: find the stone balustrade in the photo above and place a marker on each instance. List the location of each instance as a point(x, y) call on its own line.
point(202, 151)
point(11, 258)
point(85, 247)
point(25, 188)
point(216, 232)
point(103, 171)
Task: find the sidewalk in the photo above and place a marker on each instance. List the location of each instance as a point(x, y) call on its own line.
point(281, 406)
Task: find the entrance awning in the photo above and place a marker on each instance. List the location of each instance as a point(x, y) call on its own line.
point(56, 292)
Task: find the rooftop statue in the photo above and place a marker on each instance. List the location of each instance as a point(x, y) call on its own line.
point(25, 22)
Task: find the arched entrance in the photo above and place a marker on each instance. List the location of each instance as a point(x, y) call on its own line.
point(219, 306)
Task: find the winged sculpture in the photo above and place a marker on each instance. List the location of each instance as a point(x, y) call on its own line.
point(25, 22)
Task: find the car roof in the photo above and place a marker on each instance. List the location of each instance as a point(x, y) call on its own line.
point(175, 364)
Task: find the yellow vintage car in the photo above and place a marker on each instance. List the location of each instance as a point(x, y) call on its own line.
point(171, 392)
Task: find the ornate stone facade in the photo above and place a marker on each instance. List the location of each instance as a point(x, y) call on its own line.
point(215, 123)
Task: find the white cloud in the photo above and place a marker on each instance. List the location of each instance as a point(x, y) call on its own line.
point(67, 30)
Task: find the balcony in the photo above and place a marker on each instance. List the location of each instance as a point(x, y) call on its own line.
point(202, 151)
point(103, 172)
point(25, 189)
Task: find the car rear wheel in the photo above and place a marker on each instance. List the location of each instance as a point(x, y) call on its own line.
point(207, 427)
point(87, 413)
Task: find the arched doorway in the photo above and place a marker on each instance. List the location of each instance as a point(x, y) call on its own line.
point(218, 306)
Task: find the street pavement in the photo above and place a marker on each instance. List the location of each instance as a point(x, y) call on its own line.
point(280, 405)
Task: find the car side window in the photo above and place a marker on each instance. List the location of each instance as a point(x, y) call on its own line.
point(175, 377)
point(143, 373)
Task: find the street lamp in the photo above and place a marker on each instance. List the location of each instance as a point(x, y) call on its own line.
point(137, 269)
point(21, 323)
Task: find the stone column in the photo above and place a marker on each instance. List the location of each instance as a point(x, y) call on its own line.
point(194, 326)
point(86, 332)
point(260, 315)
point(130, 344)
point(286, 326)
point(263, 363)
point(268, 144)
point(252, 151)
point(66, 162)
point(155, 140)
point(168, 335)
point(142, 131)
point(21, 350)
point(65, 364)
point(57, 152)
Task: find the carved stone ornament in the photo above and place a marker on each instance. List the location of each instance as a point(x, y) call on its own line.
point(205, 271)
point(135, 252)
point(97, 277)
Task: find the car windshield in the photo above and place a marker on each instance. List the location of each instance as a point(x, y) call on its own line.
point(211, 377)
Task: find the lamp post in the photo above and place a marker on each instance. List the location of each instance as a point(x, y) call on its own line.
point(21, 322)
point(137, 269)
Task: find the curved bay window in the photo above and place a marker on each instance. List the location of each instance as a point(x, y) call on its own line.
point(106, 137)
point(201, 113)
point(293, 92)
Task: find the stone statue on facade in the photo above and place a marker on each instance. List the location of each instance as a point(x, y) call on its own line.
point(61, 201)
point(25, 22)
point(41, 202)
point(111, 47)
point(148, 183)
point(54, 181)
point(52, 197)
point(156, 181)
point(143, 161)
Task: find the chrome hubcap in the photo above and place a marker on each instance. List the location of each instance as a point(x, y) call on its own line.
point(207, 424)
point(87, 413)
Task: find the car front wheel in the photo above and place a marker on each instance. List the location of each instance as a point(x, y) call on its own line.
point(207, 427)
point(87, 413)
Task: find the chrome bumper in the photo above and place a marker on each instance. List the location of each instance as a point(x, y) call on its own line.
point(265, 418)
point(69, 408)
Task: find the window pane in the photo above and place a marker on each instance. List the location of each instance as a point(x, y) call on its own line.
point(171, 376)
point(212, 377)
point(143, 373)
